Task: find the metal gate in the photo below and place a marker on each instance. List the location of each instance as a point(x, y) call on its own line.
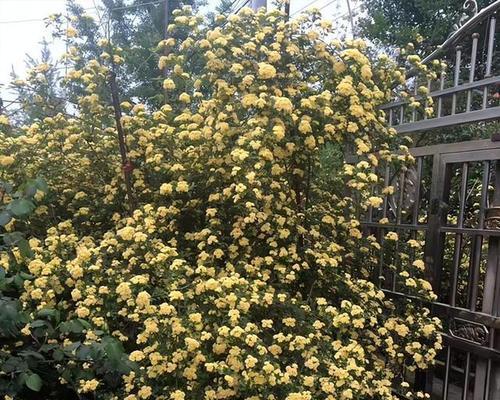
point(454, 209)
point(450, 202)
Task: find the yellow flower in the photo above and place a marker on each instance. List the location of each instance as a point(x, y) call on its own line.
point(283, 104)
point(168, 84)
point(71, 32)
point(176, 295)
point(375, 201)
point(393, 236)
point(419, 264)
point(249, 100)
point(279, 131)
point(76, 294)
point(250, 362)
point(26, 330)
point(305, 126)
point(177, 395)
point(182, 187)
point(88, 386)
point(266, 71)
point(345, 87)
point(145, 392)
point(191, 344)
point(310, 142)
point(124, 291)
point(184, 97)
point(143, 299)
point(5, 161)
point(366, 72)
point(166, 189)
point(126, 233)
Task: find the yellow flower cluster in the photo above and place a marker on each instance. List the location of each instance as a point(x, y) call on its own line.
point(241, 274)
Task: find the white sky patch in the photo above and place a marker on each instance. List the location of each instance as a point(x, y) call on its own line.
point(22, 27)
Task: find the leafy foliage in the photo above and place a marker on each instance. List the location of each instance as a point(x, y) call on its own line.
point(395, 23)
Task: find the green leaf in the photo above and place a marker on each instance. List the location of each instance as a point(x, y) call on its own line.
point(24, 248)
point(7, 187)
point(30, 189)
point(47, 312)
point(11, 239)
point(41, 184)
point(26, 276)
point(21, 207)
point(73, 326)
point(113, 348)
point(5, 218)
point(84, 323)
point(58, 355)
point(34, 382)
point(38, 323)
point(29, 353)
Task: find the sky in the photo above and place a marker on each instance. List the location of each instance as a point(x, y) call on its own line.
point(22, 27)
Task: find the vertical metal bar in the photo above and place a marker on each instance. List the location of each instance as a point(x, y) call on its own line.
point(477, 240)
point(481, 379)
point(370, 208)
point(463, 194)
point(475, 37)
point(396, 269)
point(382, 258)
point(440, 99)
point(426, 101)
point(466, 380)
point(415, 92)
point(399, 211)
point(416, 204)
point(457, 255)
point(491, 300)
point(492, 279)
point(489, 58)
point(487, 381)
point(386, 197)
point(484, 193)
point(381, 230)
point(456, 77)
point(447, 373)
point(391, 116)
point(435, 238)
point(401, 115)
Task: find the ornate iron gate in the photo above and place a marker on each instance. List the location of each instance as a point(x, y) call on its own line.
point(450, 201)
point(453, 210)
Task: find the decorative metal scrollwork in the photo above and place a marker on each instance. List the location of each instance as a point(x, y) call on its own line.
point(470, 331)
point(492, 218)
point(470, 9)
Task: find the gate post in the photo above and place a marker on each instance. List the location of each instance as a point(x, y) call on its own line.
point(491, 304)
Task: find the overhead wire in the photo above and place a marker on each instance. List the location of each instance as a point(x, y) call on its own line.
point(243, 5)
point(305, 7)
point(85, 9)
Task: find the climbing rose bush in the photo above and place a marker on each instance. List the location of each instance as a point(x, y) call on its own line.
point(243, 273)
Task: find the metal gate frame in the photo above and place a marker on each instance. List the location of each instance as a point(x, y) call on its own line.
point(473, 324)
point(466, 96)
point(487, 375)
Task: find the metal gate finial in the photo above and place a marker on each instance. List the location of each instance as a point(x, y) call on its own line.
point(470, 9)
